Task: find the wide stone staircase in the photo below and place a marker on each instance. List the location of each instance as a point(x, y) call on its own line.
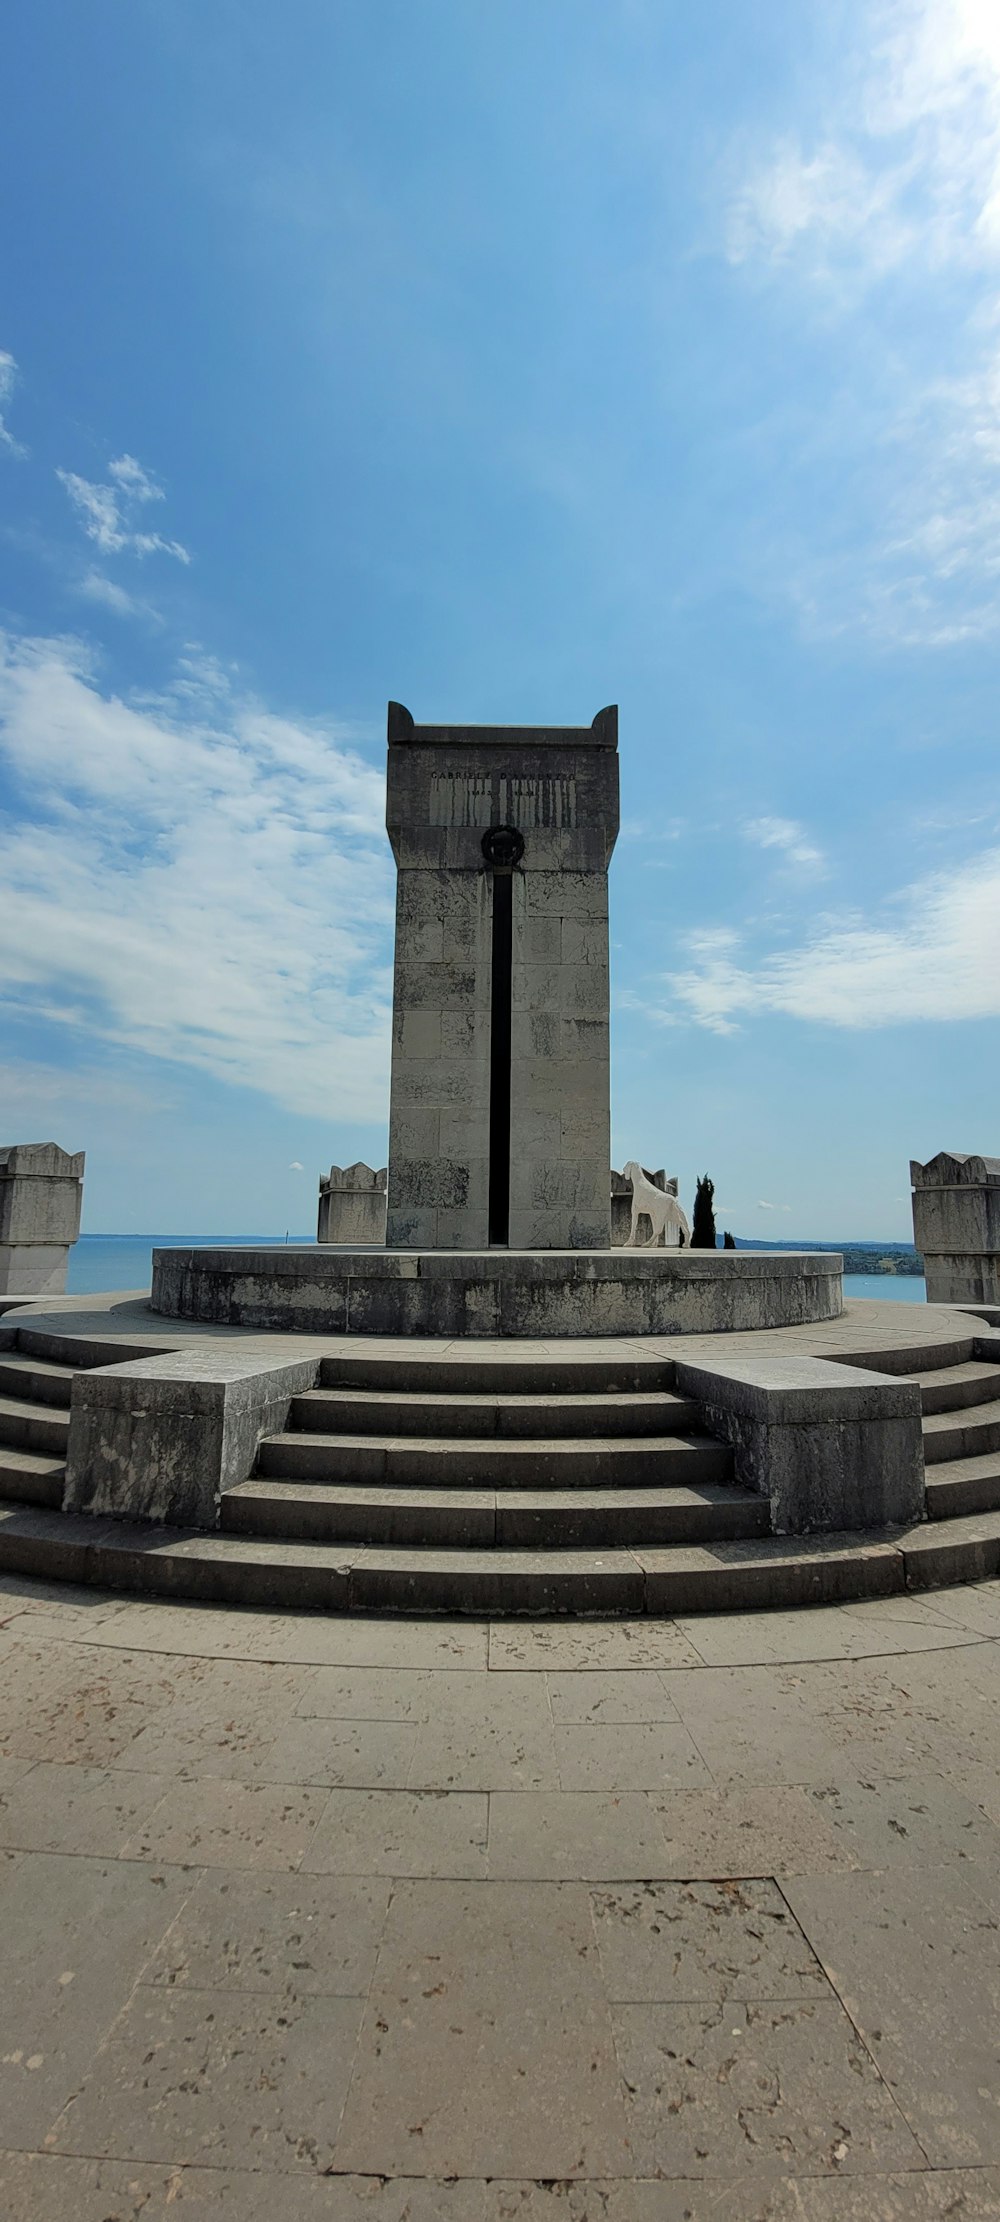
point(492, 1483)
point(492, 1454)
point(35, 1398)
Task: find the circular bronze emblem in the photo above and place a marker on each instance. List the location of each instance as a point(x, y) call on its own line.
point(503, 846)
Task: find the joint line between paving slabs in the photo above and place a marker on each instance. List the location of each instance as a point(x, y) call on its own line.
point(859, 2033)
point(331, 2170)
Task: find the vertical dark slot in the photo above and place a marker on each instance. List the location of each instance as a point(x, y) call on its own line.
point(499, 1204)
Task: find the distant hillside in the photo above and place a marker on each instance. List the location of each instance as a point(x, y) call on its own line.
point(859, 1257)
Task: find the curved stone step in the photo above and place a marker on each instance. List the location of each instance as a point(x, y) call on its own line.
point(422, 1412)
point(960, 1486)
point(82, 1351)
point(723, 1577)
point(29, 1477)
point(37, 1379)
point(913, 1359)
point(493, 1519)
point(771, 1572)
point(33, 1426)
point(956, 1388)
point(953, 1435)
point(484, 1371)
point(467, 1463)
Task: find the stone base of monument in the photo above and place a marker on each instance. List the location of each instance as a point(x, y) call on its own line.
point(487, 1293)
point(359, 1474)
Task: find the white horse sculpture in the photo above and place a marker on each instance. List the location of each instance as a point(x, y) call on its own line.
point(666, 1216)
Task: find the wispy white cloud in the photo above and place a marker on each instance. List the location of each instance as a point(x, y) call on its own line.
point(96, 587)
point(788, 837)
point(904, 161)
point(199, 879)
point(8, 381)
point(814, 207)
point(109, 512)
point(898, 176)
point(933, 954)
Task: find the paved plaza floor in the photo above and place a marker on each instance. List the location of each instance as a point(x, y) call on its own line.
point(334, 1920)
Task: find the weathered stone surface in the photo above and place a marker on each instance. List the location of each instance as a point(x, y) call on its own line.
point(56, 1914)
point(180, 2078)
point(531, 1294)
point(664, 1941)
point(832, 1447)
point(352, 1204)
point(956, 1226)
point(308, 1934)
point(558, 787)
point(917, 1967)
point(41, 1194)
point(756, 2088)
point(488, 2026)
point(161, 1438)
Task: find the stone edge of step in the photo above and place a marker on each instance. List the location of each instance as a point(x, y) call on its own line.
point(767, 1572)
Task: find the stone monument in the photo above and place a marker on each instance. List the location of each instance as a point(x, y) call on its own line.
point(499, 1202)
point(41, 1196)
point(956, 1227)
point(499, 1115)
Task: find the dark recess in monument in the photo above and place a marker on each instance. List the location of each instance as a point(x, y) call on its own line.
point(503, 847)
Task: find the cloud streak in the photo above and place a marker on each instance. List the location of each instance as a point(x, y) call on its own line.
point(196, 878)
point(934, 956)
point(885, 216)
point(8, 381)
point(109, 513)
point(785, 835)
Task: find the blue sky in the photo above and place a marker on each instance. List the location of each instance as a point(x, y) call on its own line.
point(508, 360)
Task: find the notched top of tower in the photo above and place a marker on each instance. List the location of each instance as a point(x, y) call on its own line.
point(603, 733)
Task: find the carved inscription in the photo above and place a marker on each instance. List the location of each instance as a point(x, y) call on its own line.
point(493, 799)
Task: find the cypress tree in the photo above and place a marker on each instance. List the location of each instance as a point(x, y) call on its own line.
point(703, 1235)
point(728, 1241)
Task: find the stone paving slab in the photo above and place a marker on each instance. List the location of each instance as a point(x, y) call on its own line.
point(310, 1935)
point(736, 2089)
point(63, 1988)
point(916, 1958)
point(679, 1943)
point(228, 2078)
point(52, 2188)
point(488, 2038)
point(757, 1951)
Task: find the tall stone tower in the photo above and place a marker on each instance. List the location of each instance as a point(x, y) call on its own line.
point(499, 1119)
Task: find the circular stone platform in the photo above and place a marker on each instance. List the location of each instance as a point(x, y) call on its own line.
point(324, 1288)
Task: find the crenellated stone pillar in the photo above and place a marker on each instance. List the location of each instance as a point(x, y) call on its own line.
point(956, 1227)
point(41, 1197)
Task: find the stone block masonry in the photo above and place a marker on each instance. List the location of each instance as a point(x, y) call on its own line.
point(352, 1204)
point(499, 1123)
point(41, 1196)
point(956, 1227)
point(831, 1446)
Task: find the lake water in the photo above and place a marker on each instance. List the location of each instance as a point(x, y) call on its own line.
point(106, 1261)
point(103, 1261)
point(901, 1288)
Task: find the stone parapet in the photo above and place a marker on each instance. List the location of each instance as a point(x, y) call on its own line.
point(41, 1195)
point(956, 1227)
point(832, 1447)
point(160, 1438)
point(352, 1205)
point(499, 1292)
